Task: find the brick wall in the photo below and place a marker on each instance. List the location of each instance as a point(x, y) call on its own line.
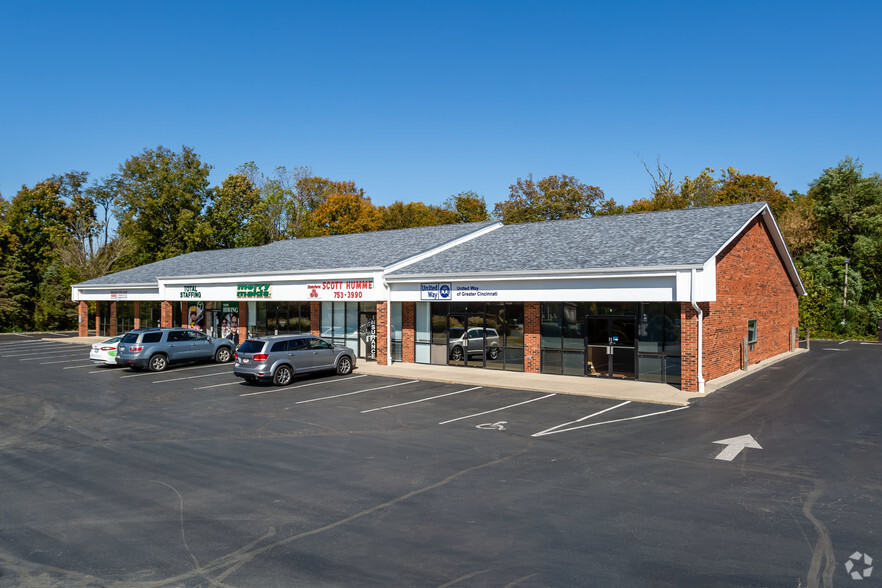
point(532, 323)
point(83, 311)
point(315, 319)
point(113, 319)
point(165, 313)
point(408, 332)
point(751, 284)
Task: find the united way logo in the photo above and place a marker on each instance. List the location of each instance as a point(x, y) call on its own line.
point(434, 291)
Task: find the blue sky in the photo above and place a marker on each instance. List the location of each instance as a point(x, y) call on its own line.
point(419, 100)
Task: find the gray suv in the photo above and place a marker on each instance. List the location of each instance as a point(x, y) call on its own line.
point(156, 348)
point(276, 359)
point(464, 343)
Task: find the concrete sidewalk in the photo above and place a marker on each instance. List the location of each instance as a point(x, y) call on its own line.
point(648, 392)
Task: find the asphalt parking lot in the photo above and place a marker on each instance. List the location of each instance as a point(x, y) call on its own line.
point(190, 477)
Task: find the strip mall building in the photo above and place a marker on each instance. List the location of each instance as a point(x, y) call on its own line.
point(681, 297)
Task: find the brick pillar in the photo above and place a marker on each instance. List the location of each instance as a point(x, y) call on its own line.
point(97, 318)
point(689, 347)
point(408, 332)
point(242, 330)
point(532, 350)
point(113, 319)
point(136, 322)
point(382, 331)
point(315, 319)
point(165, 313)
point(83, 313)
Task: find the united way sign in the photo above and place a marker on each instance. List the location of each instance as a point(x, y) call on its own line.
point(434, 291)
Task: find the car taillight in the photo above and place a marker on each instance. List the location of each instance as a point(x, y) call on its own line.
point(261, 357)
point(136, 348)
point(108, 348)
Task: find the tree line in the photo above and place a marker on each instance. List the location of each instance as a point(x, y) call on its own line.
point(159, 204)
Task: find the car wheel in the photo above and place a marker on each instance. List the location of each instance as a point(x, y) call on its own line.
point(344, 366)
point(282, 376)
point(456, 353)
point(158, 363)
point(223, 355)
point(493, 352)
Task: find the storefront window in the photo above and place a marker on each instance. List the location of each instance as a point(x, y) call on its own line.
point(396, 328)
point(125, 317)
point(150, 314)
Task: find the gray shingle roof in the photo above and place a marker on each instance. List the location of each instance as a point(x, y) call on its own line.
point(359, 250)
point(667, 238)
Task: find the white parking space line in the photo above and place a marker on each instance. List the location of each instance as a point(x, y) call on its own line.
point(584, 418)
point(63, 361)
point(76, 367)
point(43, 356)
point(282, 389)
point(189, 378)
point(497, 409)
point(633, 418)
point(358, 392)
point(195, 367)
point(422, 400)
point(236, 383)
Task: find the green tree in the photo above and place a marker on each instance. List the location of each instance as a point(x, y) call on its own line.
point(551, 198)
point(54, 309)
point(161, 197)
point(233, 207)
point(738, 188)
point(468, 207)
point(399, 215)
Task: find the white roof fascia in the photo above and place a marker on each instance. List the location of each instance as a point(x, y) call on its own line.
point(547, 275)
point(267, 276)
point(431, 252)
point(780, 245)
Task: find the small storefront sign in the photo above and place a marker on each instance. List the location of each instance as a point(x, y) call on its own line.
point(434, 291)
point(340, 289)
point(190, 292)
point(472, 291)
point(119, 294)
point(254, 291)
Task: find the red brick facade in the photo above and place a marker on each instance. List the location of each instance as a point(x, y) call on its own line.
point(382, 341)
point(532, 348)
point(752, 283)
point(408, 332)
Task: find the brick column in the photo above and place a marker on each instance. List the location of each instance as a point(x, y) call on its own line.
point(97, 318)
point(136, 321)
point(532, 339)
point(689, 347)
point(165, 314)
point(408, 332)
point(83, 313)
point(113, 319)
point(242, 331)
point(382, 341)
point(315, 319)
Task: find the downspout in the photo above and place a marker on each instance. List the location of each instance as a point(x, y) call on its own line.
point(700, 331)
point(388, 321)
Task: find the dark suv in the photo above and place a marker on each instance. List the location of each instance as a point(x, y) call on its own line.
point(156, 348)
point(278, 358)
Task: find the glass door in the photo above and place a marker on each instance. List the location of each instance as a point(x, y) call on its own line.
point(367, 335)
point(610, 344)
point(466, 340)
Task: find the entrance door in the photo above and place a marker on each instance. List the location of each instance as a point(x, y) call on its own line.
point(466, 339)
point(367, 335)
point(611, 346)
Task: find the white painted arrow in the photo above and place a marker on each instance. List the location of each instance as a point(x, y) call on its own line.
point(735, 445)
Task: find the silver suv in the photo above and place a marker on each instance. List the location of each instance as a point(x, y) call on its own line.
point(156, 348)
point(472, 341)
point(278, 358)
